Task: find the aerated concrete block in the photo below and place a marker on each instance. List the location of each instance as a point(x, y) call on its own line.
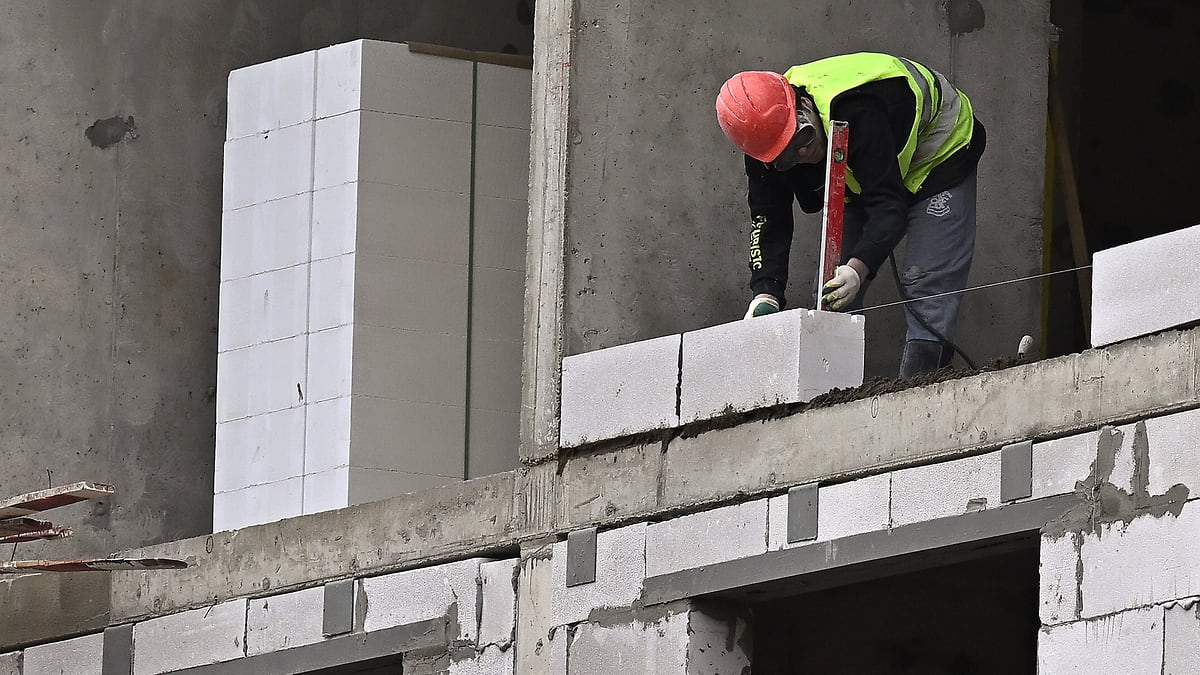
point(1058, 572)
point(271, 95)
point(285, 621)
point(688, 641)
point(1130, 643)
point(620, 571)
point(843, 509)
point(713, 536)
point(387, 77)
point(1153, 558)
point(1129, 301)
point(787, 357)
point(259, 449)
point(618, 391)
point(1181, 644)
point(497, 621)
point(258, 504)
point(946, 489)
point(194, 638)
point(448, 590)
point(10, 663)
point(78, 656)
point(1060, 463)
point(1173, 456)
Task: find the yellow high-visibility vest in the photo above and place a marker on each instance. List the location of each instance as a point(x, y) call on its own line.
point(944, 118)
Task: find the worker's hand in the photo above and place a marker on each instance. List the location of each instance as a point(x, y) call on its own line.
point(840, 291)
point(763, 303)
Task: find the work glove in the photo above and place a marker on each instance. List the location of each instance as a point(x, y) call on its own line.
point(841, 290)
point(763, 303)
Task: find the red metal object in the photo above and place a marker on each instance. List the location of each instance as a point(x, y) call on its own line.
point(52, 498)
point(90, 565)
point(51, 532)
point(835, 198)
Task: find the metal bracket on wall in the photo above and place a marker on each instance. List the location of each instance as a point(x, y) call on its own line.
point(802, 513)
point(338, 617)
point(116, 656)
point(581, 557)
point(1016, 471)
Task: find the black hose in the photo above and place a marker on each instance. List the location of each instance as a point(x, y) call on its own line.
point(920, 319)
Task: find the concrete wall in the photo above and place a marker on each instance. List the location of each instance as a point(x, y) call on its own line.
point(656, 222)
point(110, 220)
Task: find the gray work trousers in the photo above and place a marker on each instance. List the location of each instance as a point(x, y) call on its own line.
point(937, 256)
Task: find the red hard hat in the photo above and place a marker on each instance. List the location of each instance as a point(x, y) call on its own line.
point(757, 111)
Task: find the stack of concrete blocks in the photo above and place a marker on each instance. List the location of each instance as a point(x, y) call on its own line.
point(1145, 286)
point(349, 290)
point(787, 357)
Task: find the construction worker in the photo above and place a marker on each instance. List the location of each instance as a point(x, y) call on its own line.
point(914, 145)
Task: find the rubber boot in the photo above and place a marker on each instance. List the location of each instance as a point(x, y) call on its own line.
point(921, 356)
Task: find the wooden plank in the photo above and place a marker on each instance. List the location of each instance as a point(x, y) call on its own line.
point(52, 498)
point(91, 565)
point(1062, 148)
point(13, 526)
point(50, 532)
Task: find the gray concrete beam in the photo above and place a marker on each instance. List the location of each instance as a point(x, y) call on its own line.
point(38, 606)
point(1124, 382)
point(406, 531)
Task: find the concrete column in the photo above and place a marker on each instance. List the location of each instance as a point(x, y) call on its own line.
point(536, 642)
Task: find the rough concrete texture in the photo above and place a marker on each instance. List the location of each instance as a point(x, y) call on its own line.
point(786, 357)
point(843, 509)
point(111, 261)
point(1181, 642)
point(1130, 643)
point(1150, 559)
point(284, 621)
point(285, 555)
point(620, 571)
point(194, 638)
point(684, 641)
point(1128, 302)
point(1059, 571)
point(621, 390)
point(660, 248)
point(1050, 397)
point(10, 664)
point(498, 607)
point(449, 590)
point(713, 536)
point(589, 483)
point(79, 656)
point(490, 661)
point(40, 605)
point(535, 602)
point(946, 489)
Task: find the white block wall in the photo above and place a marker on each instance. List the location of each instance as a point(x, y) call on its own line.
point(677, 379)
point(1145, 286)
point(347, 270)
point(78, 656)
point(621, 390)
point(786, 357)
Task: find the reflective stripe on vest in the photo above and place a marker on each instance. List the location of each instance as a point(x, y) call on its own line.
point(944, 119)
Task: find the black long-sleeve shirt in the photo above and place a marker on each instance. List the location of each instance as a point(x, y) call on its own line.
point(880, 115)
